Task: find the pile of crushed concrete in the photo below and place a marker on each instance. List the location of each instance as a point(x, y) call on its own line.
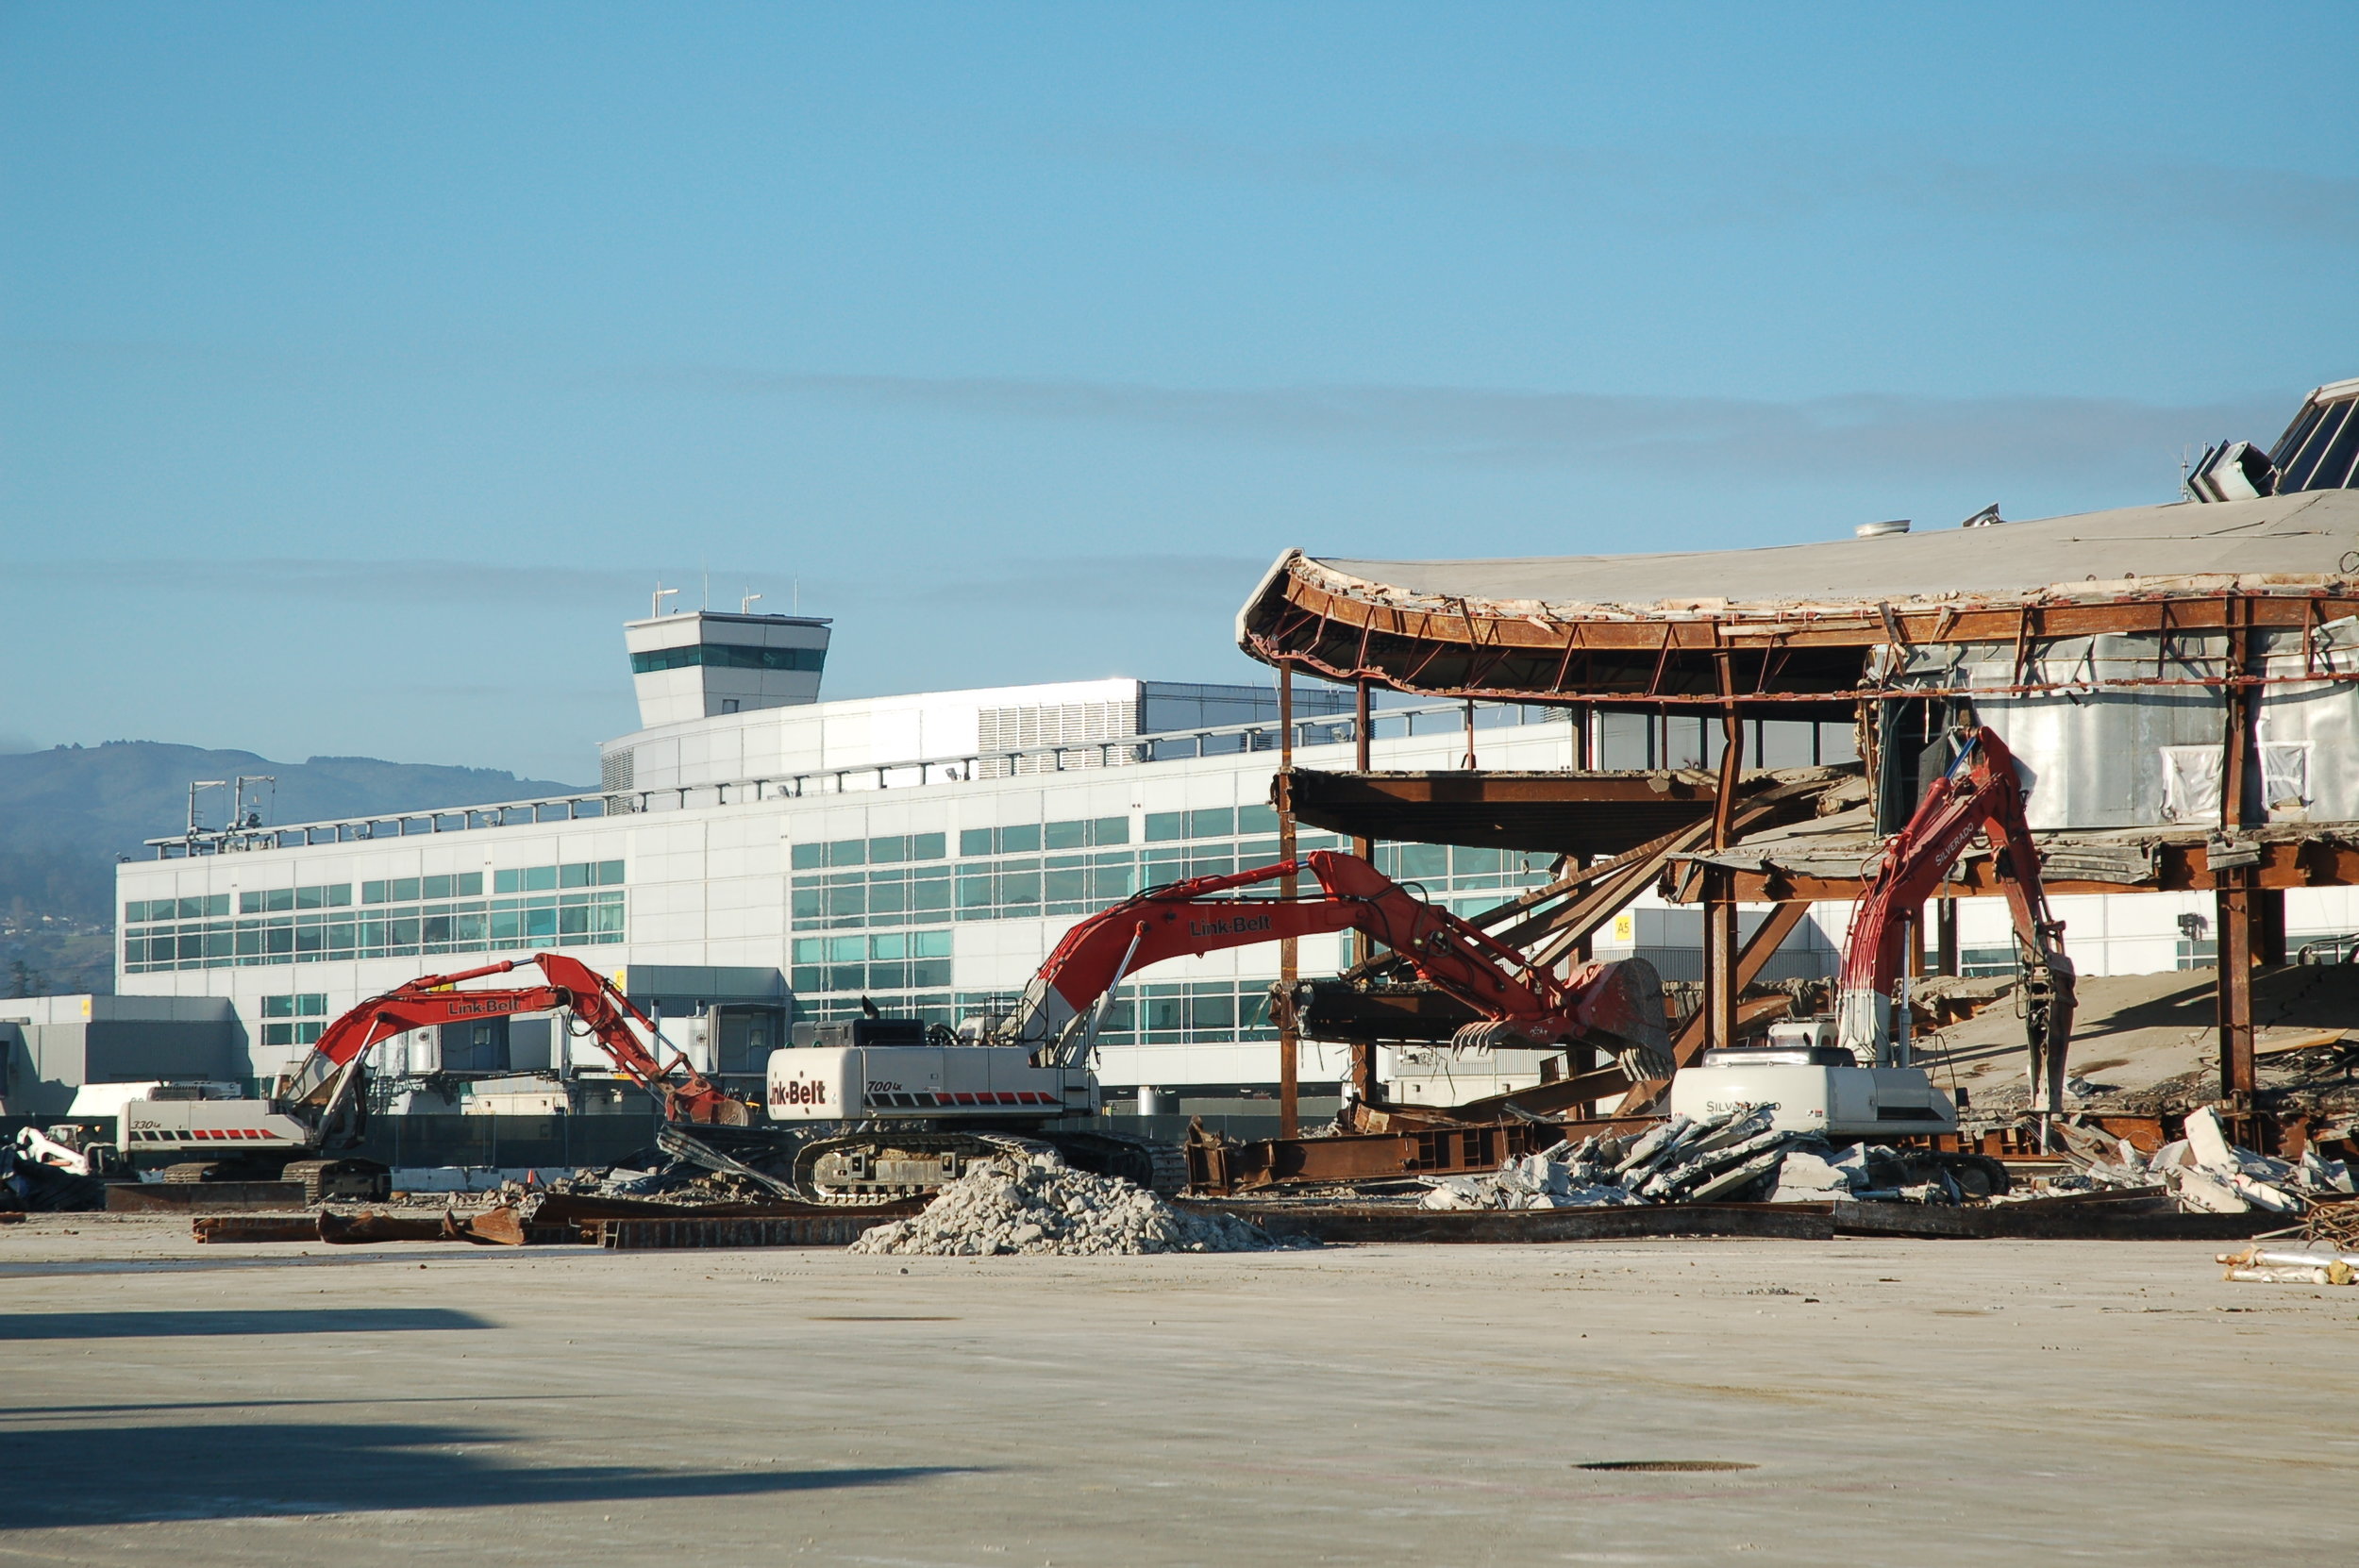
point(1734, 1156)
point(1039, 1205)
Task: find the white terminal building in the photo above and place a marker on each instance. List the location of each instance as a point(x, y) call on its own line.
point(756, 857)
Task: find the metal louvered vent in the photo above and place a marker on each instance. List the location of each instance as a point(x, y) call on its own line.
point(2319, 450)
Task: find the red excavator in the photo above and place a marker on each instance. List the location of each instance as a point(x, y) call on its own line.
point(1849, 1075)
point(323, 1107)
point(914, 1109)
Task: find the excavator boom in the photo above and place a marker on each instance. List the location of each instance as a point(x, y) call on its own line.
point(325, 1078)
point(1980, 794)
point(1525, 1004)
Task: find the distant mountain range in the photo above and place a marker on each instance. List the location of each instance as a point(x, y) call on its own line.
point(67, 813)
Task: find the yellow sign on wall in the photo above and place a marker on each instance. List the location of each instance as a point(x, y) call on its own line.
point(1626, 929)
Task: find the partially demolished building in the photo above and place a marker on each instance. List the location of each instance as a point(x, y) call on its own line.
point(2180, 682)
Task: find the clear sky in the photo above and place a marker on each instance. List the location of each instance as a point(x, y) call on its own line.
point(363, 366)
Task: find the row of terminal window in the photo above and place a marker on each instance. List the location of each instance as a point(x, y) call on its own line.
point(1194, 1013)
point(1032, 838)
point(398, 890)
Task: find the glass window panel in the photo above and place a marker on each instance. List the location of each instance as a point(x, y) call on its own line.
point(1428, 863)
point(975, 889)
point(848, 949)
point(888, 897)
point(275, 899)
point(190, 908)
point(405, 889)
point(581, 874)
point(1467, 860)
point(135, 911)
point(888, 976)
point(929, 944)
point(1210, 865)
point(810, 950)
point(536, 880)
point(1064, 835)
point(218, 904)
point(609, 874)
point(887, 850)
point(848, 852)
point(249, 942)
point(1166, 1012)
point(927, 846)
point(1260, 852)
point(1111, 830)
point(540, 926)
point(507, 927)
point(248, 903)
point(1021, 839)
point(468, 927)
point(1019, 887)
point(847, 901)
point(848, 977)
point(1163, 826)
point(974, 840)
point(307, 939)
point(1065, 887)
point(279, 1007)
point(807, 903)
point(1257, 819)
point(468, 884)
point(892, 945)
point(1213, 1012)
point(278, 938)
point(806, 857)
point(931, 971)
point(1216, 823)
point(807, 979)
point(1111, 883)
point(502, 881)
point(428, 887)
point(929, 894)
point(573, 921)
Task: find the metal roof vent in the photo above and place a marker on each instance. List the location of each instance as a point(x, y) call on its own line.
point(1988, 518)
point(1878, 530)
point(2319, 450)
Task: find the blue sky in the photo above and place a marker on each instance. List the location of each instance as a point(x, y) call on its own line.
point(361, 367)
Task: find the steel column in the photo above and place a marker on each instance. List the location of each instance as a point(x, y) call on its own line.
point(1289, 968)
point(1363, 946)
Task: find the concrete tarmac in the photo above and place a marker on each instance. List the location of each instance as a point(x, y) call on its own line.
point(1921, 1402)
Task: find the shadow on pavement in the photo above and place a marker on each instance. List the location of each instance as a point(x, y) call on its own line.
point(173, 1324)
point(114, 1475)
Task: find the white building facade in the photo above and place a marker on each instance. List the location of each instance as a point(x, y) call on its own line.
point(755, 858)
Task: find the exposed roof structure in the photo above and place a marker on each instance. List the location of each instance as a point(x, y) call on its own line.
point(1796, 618)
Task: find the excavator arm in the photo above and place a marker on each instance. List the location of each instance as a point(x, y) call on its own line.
point(327, 1081)
point(1523, 1003)
point(1980, 794)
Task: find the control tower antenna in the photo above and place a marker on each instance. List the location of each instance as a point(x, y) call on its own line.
point(745, 605)
point(661, 594)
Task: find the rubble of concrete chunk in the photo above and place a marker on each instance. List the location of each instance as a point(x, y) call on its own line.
point(1041, 1206)
point(1733, 1155)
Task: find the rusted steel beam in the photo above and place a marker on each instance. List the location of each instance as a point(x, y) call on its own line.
point(1660, 655)
point(1637, 628)
point(799, 1230)
point(2181, 867)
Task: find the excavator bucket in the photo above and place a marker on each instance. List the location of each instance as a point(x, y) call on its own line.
point(1623, 999)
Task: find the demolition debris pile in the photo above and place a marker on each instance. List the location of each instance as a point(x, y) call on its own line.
point(2208, 1174)
point(1041, 1206)
point(1732, 1157)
